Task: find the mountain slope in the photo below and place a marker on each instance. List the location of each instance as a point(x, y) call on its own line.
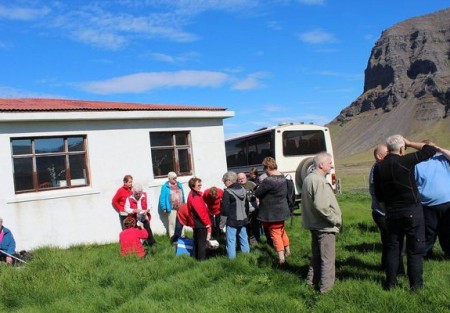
point(406, 88)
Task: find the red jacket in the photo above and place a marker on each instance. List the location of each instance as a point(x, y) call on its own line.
point(215, 204)
point(131, 203)
point(118, 201)
point(184, 216)
point(198, 209)
point(130, 241)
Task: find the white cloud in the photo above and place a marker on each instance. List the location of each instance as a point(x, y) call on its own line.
point(143, 82)
point(107, 40)
point(316, 36)
point(115, 23)
point(252, 81)
point(23, 13)
point(174, 59)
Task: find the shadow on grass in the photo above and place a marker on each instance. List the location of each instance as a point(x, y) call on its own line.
point(354, 268)
point(367, 227)
point(364, 247)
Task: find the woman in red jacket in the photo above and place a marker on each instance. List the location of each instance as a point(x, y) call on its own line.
point(200, 217)
point(118, 201)
point(213, 199)
point(130, 238)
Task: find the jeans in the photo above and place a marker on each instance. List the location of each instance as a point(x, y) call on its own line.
point(178, 231)
point(233, 233)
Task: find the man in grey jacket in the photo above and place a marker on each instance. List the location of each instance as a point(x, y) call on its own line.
point(322, 216)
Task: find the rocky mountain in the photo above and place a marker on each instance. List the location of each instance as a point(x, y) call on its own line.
point(406, 87)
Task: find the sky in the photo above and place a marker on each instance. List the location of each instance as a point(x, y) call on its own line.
point(268, 61)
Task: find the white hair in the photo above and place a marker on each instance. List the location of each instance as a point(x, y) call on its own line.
point(395, 142)
point(137, 187)
point(231, 176)
point(320, 158)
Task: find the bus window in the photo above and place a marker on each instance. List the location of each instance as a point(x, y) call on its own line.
point(258, 148)
point(303, 142)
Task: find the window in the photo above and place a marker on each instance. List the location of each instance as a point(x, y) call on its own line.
point(171, 152)
point(249, 151)
point(44, 163)
point(303, 142)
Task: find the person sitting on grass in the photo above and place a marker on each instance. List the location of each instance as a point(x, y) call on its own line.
point(130, 238)
point(7, 244)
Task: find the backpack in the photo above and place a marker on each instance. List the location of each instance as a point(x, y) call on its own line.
point(290, 192)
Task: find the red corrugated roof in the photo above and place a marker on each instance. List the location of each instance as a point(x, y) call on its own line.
point(45, 105)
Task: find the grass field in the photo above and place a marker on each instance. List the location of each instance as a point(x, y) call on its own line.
point(96, 279)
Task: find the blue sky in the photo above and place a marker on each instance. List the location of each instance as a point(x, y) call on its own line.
point(269, 61)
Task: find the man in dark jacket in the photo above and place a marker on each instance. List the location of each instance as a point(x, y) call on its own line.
point(396, 191)
point(234, 214)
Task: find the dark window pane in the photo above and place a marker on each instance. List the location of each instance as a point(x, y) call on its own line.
point(303, 142)
point(48, 145)
point(77, 170)
point(21, 146)
point(163, 161)
point(236, 153)
point(181, 139)
point(183, 159)
point(161, 139)
point(75, 144)
point(50, 170)
point(23, 174)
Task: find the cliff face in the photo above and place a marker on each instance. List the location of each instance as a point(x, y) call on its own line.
point(407, 85)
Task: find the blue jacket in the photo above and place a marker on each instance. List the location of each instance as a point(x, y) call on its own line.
point(164, 197)
point(8, 244)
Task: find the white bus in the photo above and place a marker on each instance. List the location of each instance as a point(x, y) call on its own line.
point(293, 146)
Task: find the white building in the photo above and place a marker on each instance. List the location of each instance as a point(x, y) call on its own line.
point(62, 161)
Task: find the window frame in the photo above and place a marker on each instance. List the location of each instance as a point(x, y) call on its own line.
point(66, 154)
point(176, 148)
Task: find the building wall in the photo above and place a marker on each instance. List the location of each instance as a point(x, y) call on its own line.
point(115, 147)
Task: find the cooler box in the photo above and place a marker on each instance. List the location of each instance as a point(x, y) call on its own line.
point(185, 246)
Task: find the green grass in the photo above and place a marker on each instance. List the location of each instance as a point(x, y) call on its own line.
point(96, 279)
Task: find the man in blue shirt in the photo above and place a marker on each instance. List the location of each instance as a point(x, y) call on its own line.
point(433, 181)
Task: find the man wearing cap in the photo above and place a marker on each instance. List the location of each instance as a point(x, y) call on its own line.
point(170, 199)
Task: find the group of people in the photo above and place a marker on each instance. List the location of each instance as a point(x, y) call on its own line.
point(239, 211)
point(410, 200)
